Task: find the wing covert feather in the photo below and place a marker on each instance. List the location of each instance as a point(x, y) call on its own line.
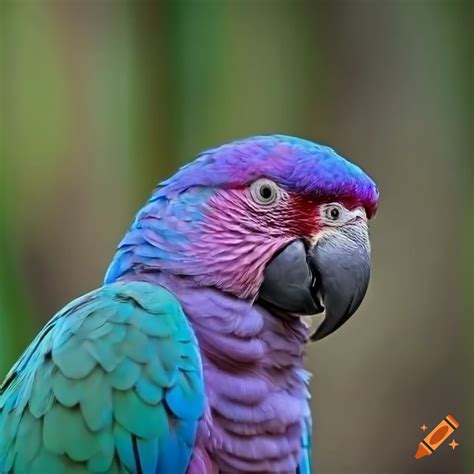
point(113, 383)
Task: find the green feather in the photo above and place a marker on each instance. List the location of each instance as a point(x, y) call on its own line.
point(138, 417)
point(148, 391)
point(28, 438)
point(73, 359)
point(137, 346)
point(67, 391)
point(96, 401)
point(125, 375)
point(42, 398)
point(116, 367)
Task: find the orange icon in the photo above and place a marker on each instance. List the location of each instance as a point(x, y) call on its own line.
point(437, 437)
point(454, 444)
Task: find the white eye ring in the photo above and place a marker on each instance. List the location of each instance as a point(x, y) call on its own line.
point(333, 212)
point(264, 192)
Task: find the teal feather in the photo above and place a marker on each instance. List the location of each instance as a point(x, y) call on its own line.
point(73, 359)
point(137, 346)
point(148, 450)
point(42, 398)
point(125, 375)
point(124, 447)
point(180, 397)
point(113, 382)
point(169, 461)
point(97, 410)
point(28, 437)
point(151, 422)
point(67, 391)
point(148, 391)
point(305, 462)
point(53, 425)
point(103, 458)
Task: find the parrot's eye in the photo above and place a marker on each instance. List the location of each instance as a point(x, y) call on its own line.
point(333, 212)
point(265, 192)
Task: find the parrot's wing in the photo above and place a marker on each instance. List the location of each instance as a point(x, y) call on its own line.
point(113, 383)
point(305, 464)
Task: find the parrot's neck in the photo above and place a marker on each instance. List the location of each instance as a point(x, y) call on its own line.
point(255, 382)
point(207, 246)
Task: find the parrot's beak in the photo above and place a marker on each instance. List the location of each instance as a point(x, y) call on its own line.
point(290, 284)
point(332, 276)
point(342, 260)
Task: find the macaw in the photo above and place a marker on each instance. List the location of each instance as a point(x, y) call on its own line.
point(189, 358)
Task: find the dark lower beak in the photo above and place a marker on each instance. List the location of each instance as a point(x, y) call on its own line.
point(336, 271)
point(289, 283)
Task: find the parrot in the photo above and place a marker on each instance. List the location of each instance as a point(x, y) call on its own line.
point(190, 356)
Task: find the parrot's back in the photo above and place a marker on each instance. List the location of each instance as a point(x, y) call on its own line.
point(113, 383)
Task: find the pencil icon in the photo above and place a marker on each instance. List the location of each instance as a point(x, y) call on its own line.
point(437, 437)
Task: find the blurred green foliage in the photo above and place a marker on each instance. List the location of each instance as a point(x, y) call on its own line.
point(100, 100)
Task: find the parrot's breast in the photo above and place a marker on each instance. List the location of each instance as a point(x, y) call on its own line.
point(256, 387)
point(255, 409)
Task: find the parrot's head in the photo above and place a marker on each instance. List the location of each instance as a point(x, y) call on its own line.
point(274, 219)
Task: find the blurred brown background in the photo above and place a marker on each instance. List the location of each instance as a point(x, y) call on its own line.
point(102, 99)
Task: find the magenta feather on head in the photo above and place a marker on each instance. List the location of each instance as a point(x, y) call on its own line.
point(298, 165)
point(197, 222)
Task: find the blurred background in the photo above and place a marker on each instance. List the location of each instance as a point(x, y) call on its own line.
point(102, 99)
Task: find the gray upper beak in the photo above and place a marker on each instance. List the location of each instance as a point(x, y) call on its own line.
point(337, 269)
point(343, 263)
